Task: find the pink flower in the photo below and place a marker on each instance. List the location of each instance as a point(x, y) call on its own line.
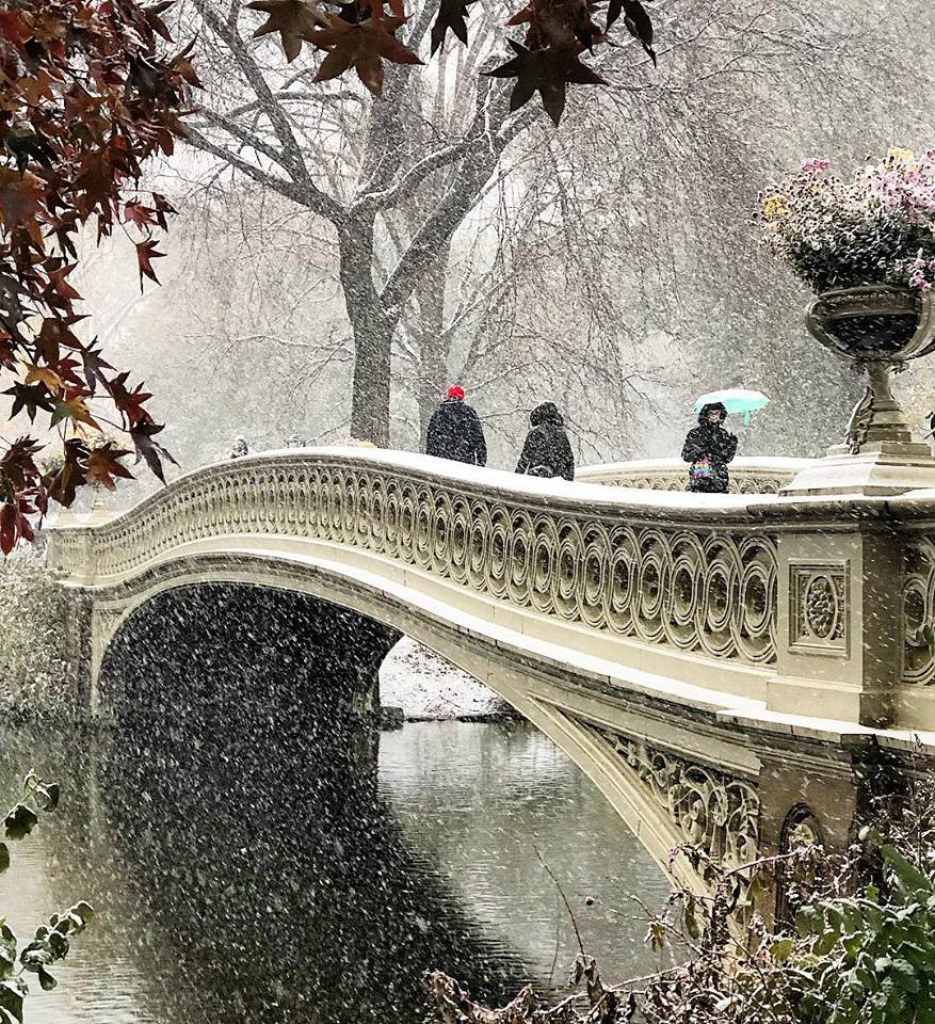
point(815, 165)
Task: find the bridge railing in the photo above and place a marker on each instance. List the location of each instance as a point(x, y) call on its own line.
point(811, 606)
point(760, 475)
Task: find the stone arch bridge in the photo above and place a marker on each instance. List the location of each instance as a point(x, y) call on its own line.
point(726, 669)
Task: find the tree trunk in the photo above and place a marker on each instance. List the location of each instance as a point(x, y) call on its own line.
point(373, 332)
point(370, 401)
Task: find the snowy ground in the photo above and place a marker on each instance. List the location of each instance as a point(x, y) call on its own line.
point(428, 687)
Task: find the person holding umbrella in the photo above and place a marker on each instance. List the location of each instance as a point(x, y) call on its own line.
point(709, 448)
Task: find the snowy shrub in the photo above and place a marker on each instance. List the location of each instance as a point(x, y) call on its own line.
point(32, 633)
point(878, 228)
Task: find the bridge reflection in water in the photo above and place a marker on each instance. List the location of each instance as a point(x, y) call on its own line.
point(729, 670)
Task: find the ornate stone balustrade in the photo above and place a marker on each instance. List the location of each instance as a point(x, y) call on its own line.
point(762, 475)
point(571, 553)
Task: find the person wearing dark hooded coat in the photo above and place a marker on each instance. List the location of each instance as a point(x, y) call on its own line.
point(547, 451)
point(455, 431)
point(709, 448)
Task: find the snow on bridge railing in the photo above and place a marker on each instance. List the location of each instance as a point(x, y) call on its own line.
point(827, 594)
point(748, 475)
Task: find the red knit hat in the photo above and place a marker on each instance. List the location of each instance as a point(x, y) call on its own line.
point(456, 391)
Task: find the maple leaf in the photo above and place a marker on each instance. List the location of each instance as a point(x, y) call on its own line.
point(7, 527)
point(54, 333)
point(364, 47)
point(73, 408)
point(145, 252)
point(93, 367)
point(637, 20)
point(134, 212)
point(17, 465)
point(162, 207)
point(452, 14)
point(31, 397)
point(547, 72)
point(153, 16)
point(292, 19)
point(129, 403)
point(148, 449)
point(45, 376)
point(559, 24)
point(63, 483)
point(104, 465)
point(57, 280)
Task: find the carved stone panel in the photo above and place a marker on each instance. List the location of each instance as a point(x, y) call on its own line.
point(819, 612)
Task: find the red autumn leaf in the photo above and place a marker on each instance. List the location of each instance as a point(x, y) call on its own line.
point(136, 213)
point(127, 402)
point(57, 279)
point(18, 465)
point(363, 47)
point(63, 484)
point(292, 19)
point(14, 523)
point(145, 252)
point(104, 464)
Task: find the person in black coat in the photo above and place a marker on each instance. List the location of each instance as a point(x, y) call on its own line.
point(547, 451)
point(455, 431)
point(709, 448)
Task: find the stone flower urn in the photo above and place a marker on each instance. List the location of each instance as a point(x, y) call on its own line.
point(877, 328)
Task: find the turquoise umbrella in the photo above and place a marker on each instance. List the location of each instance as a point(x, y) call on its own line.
point(735, 400)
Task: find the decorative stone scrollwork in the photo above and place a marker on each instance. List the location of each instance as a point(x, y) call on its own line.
point(918, 599)
point(741, 482)
point(708, 808)
point(699, 589)
point(819, 607)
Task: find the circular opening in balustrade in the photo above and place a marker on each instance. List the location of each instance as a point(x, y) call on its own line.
point(620, 584)
point(543, 565)
point(593, 573)
point(497, 549)
point(651, 589)
point(424, 520)
point(567, 566)
point(755, 601)
point(683, 591)
point(520, 557)
point(717, 598)
point(459, 540)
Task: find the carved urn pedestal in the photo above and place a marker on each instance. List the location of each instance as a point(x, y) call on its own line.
point(877, 328)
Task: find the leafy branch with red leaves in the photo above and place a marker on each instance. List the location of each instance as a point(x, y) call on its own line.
point(89, 89)
point(362, 35)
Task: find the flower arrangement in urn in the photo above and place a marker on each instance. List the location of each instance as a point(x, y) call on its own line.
point(876, 228)
point(867, 247)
